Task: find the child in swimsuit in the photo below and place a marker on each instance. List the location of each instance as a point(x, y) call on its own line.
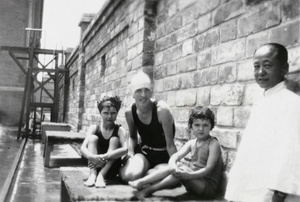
point(104, 143)
point(204, 172)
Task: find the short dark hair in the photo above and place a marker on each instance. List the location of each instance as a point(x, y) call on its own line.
point(200, 112)
point(282, 53)
point(114, 99)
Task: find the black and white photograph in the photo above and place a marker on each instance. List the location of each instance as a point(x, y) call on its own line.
point(150, 100)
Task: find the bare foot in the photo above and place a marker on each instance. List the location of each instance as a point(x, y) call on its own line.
point(90, 181)
point(100, 183)
point(141, 195)
point(137, 184)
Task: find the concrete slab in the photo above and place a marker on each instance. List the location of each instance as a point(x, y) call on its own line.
point(74, 190)
point(35, 183)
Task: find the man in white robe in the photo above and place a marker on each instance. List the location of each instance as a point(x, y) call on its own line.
point(267, 165)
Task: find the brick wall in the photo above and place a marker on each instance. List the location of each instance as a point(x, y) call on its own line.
point(110, 52)
point(196, 52)
point(203, 56)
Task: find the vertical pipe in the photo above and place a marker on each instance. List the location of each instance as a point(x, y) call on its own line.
point(29, 81)
point(56, 89)
point(66, 93)
point(28, 99)
point(29, 23)
point(23, 106)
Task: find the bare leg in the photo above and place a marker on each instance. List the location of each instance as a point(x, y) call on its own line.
point(158, 167)
point(193, 185)
point(167, 182)
point(135, 168)
point(196, 186)
point(100, 182)
point(92, 147)
point(154, 176)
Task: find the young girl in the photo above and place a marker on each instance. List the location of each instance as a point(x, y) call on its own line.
point(203, 174)
point(104, 143)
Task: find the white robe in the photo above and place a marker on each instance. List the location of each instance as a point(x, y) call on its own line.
point(268, 157)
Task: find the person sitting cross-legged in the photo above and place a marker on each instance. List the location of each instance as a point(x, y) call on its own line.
point(104, 143)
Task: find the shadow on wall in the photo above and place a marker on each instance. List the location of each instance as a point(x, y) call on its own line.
point(4, 119)
point(293, 82)
point(2, 115)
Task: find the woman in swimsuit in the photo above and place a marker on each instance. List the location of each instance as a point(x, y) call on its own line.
point(154, 123)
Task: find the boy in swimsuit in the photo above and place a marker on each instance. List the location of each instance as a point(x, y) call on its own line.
point(204, 172)
point(154, 123)
point(104, 143)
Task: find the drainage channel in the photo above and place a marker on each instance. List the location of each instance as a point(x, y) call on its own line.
point(8, 184)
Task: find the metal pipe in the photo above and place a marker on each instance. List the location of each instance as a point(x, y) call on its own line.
point(33, 29)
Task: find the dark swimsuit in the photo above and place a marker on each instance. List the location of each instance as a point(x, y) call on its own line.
point(103, 145)
point(153, 142)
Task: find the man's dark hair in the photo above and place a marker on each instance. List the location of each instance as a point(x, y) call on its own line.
point(282, 53)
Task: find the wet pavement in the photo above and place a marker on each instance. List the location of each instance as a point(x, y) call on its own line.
point(33, 181)
point(9, 146)
point(36, 182)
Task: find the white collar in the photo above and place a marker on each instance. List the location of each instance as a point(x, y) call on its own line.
point(274, 89)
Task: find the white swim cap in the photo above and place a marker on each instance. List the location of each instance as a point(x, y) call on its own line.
point(140, 80)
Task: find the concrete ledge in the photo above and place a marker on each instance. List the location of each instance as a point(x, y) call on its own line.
point(59, 137)
point(52, 126)
point(72, 189)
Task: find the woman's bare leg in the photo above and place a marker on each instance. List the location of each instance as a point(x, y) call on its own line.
point(135, 168)
point(154, 176)
point(167, 182)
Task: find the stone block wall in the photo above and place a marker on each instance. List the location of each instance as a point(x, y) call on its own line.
point(69, 93)
point(196, 53)
point(203, 56)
